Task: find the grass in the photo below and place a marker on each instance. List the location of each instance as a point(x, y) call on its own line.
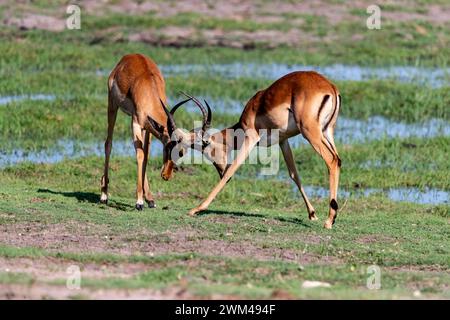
point(226, 276)
point(373, 230)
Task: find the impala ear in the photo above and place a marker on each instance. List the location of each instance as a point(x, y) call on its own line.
point(155, 125)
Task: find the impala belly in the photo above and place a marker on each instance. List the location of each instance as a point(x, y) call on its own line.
point(121, 100)
point(279, 125)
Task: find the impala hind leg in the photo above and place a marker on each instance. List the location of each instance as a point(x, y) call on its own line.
point(293, 174)
point(141, 159)
point(250, 140)
point(327, 150)
point(112, 116)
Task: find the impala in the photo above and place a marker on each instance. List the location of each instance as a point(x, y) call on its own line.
point(299, 103)
point(137, 87)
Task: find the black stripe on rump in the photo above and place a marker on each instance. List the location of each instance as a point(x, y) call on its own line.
point(325, 99)
point(332, 116)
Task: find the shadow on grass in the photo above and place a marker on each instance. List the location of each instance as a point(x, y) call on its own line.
point(88, 197)
point(256, 215)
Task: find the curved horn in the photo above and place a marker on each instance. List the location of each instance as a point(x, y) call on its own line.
point(171, 126)
point(209, 118)
point(179, 104)
point(202, 109)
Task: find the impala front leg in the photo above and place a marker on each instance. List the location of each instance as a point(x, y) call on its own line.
point(250, 140)
point(141, 160)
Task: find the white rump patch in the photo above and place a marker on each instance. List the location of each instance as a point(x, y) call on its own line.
point(327, 112)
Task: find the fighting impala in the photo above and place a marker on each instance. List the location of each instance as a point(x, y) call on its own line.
point(137, 87)
point(299, 103)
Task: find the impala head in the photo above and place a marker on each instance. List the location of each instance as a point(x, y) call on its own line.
point(198, 138)
point(165, 134)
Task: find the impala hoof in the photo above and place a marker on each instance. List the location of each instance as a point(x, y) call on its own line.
point(139, 207)
point(194, 212)
point(104, 198)
point(328, 224)
point(151, 204)
point(313, 216)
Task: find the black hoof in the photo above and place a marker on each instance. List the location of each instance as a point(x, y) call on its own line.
point(104, 201)
point(151, 204)
point(139, 207)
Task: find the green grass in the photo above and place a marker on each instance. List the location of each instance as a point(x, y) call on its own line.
point(369, 231)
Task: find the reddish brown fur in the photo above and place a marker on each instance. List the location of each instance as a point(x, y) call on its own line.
point(139, 78)
point(136, 86)
point(300, 94)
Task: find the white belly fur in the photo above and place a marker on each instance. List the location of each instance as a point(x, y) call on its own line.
point(284, 127)
point(124, 103)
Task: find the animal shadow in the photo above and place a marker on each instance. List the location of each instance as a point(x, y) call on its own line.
point(256, 215)
point(88, 197)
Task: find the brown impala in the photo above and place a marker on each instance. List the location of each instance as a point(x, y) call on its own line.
point(299, 103)
point(137, 87)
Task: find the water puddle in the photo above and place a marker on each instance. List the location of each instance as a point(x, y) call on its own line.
point(401, 194)
point(73, 150)
point(348, 130)
point(34, 97)
point(414, 195)
point(67, 149)
point(433, 77)
point(425, 76)
point(223, 106)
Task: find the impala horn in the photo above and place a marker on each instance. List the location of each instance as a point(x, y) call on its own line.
point(171, 126)
point(206, 113)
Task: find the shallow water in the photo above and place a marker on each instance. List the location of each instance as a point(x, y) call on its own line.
point(68, 149)
point(72, 150)
point(414, 195)
point(434, 77)
point(348, 131)
point(427, 76)
point(35, 97)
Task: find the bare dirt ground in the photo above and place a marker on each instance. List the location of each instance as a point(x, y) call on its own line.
point(44, 291)
point(89, 238)
point(85, 238)
point(24, 16)
point(46, 269)
point(49, 268)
